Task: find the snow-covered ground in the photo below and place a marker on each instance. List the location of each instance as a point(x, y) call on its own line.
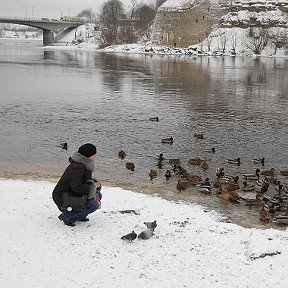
point(191, 246)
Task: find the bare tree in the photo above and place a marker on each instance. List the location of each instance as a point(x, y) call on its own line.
point(144, 15)
point(279, 39)
point(111, 14)
point(89, 13)
point(234, 43)
point(223, 41)
point(209, 42)
point(257, 40)
point(133, 7)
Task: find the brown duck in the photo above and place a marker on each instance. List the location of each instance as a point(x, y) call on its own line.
point(130, 166)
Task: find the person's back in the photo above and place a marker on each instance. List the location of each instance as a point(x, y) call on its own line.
point(77, 194)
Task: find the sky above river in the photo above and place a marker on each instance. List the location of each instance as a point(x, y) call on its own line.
point(49, 9)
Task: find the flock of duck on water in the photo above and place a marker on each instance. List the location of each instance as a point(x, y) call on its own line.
point(253, 189)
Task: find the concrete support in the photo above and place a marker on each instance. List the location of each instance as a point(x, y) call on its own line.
point(48, 37)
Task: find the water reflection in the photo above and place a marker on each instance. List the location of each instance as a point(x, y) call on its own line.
point(48, 55)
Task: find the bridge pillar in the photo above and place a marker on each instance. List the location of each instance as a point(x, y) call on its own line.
point(48, 37)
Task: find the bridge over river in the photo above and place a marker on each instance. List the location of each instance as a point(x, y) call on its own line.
point(48, 26)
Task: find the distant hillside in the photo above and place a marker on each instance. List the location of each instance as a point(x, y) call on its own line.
point(236, 27)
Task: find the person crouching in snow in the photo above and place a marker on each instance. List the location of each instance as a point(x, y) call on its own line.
point(77, 194)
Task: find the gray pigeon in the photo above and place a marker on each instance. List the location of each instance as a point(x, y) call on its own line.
point(146, 234)
point(151, 225)
point(129, 237)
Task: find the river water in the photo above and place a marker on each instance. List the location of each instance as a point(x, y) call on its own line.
point(53, 96)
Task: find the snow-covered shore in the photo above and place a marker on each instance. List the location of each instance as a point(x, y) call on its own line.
point(191, 246)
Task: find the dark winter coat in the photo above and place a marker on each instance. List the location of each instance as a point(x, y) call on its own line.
point(76, 179)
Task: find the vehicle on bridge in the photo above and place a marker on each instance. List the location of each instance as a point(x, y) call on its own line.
point(74, 19)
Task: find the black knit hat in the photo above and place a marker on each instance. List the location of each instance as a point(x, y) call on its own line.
point(87, 150)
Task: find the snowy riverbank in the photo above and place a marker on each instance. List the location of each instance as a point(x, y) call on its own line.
point(190, 247)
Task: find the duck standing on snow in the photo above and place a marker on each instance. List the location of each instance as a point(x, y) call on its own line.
point(129, 237)
point(151, 225)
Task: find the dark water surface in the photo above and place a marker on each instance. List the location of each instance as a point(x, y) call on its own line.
point(49, 97)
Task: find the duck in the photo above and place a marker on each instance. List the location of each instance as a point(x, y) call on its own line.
point(212, 150)
point(284, 172)
point(199, 135)
point(282, 219)
point(196, 161)
point(225, 179)
point(153, 174)
point(264, 215)
point(256, 201)
point(121, 154)
point(255, 176)
point(248, 187)
point(234, 161)
point(259, 161)
point(228, 195)
point(168, 175)
point(160, 157)
point(154, 119)
point(220, 172)
point(183, 185)
point(217, 183)
point(64, 146)
point(234, 197)
point(178, 169)
point(205, 187)
point(160, 164)
point(224, 194)
point(204, 165)
point(169, 140)
point(233, 185)
point(264, 185)
point(130, 166)
point(270, 172)
point(193, 179)
point(279, 188)
point(174, 161)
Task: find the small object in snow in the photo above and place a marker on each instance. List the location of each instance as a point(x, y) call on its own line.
point(129, 237)
point(146, 234)
point(151, 225)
